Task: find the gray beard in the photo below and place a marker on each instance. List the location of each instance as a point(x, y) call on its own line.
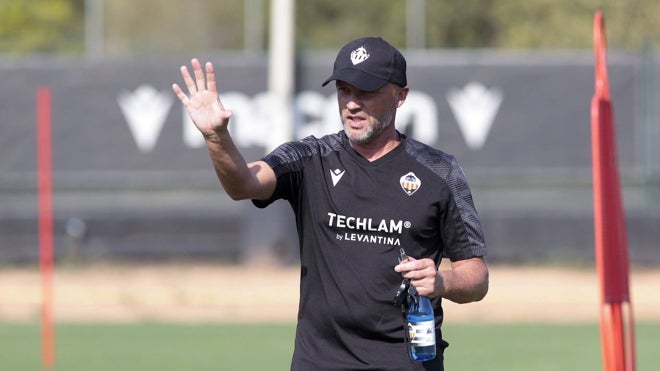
point(373, 131)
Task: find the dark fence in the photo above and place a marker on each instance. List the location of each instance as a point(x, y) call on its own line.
point(132, 178)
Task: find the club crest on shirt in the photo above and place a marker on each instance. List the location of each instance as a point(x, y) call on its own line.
point(410, 183)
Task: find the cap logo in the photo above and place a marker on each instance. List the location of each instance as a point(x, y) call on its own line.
point(359, 55)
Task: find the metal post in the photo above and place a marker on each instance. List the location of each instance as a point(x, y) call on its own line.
point(270, 234)
point(94, 43)
point(281, 71)
point(253, 25)
point(415, 24)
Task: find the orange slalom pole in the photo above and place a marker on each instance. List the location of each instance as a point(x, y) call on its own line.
point(611, 249)
point(45, 195)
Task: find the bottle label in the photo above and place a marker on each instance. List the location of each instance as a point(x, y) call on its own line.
point(421, 333)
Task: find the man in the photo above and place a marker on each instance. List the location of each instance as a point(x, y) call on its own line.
point(358, 196)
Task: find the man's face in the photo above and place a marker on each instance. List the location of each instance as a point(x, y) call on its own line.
point(366, 115)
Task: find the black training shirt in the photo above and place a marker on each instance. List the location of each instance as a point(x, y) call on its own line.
point(352, 217)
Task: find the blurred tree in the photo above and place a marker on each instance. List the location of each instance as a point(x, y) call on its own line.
point(504, 24)
point(163, 26)
point(329, 24)
point(569, 23)
point(158, 26)
point(462, 24)
point(41, 26)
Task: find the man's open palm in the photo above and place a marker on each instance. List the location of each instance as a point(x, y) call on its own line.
point(203, 104)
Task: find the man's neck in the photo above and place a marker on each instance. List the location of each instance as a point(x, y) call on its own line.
point(378, 147)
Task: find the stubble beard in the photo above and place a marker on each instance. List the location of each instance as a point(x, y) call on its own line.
point(372, 131)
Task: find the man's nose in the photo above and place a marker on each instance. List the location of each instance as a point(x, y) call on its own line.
point(352, 103)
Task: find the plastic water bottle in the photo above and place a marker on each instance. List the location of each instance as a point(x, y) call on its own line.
point(421, 329)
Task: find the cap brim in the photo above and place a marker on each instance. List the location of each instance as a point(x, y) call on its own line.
point(357, 78)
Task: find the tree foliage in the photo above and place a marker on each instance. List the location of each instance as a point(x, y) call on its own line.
point(41, 26)
point(161, 26)
point(504, 24)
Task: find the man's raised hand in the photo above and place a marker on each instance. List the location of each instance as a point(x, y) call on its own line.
point(202, 102)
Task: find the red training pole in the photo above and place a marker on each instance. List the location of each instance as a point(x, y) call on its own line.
point(611, 246)
point(45, 194)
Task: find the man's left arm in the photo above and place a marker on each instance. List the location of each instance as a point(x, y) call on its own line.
point(465, 282)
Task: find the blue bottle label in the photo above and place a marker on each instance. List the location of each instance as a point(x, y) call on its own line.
point(421, 333)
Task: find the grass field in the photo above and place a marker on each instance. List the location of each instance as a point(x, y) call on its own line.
point(175, 317)
point(201, 347)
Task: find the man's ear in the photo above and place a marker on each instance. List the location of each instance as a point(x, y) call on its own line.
point(403, 94)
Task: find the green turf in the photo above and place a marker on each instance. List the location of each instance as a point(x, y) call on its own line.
point(164, 347)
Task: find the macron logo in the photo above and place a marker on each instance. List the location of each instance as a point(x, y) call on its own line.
point(145, 111)
point(336, 175)
point(475, 108)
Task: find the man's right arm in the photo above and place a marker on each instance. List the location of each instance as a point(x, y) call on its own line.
point(240, 180)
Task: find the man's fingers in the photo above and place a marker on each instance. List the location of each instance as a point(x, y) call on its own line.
point(410, 264)
point(211, 83)
point(187, 79)
point(179, 93)
point(210, 77)
point(199, 74)
point(416, 269)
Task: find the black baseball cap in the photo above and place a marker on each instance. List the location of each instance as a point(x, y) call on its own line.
point(369, 63)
